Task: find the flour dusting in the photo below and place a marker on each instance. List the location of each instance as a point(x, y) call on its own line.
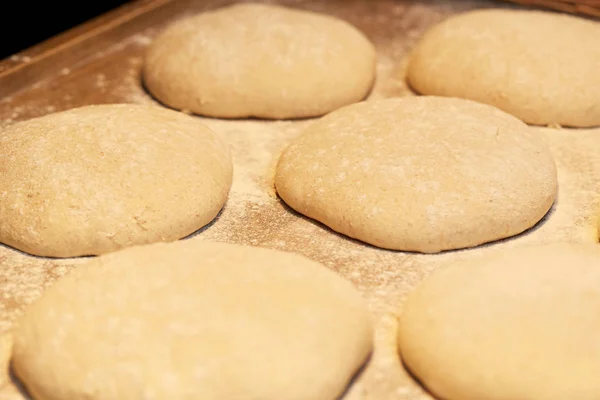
point(255, 215)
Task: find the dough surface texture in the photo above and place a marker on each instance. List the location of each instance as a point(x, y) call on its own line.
point(422, 174)
point(259, 60)
point(540, 66)
point(519, 325)
point(194, 320)
point(95, 179)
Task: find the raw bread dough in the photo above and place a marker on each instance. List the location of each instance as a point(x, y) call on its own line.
point(539, 66)
point(194, 320)
point(419, 173)
point(519, 325)
point(98, 178)
point(260, 60)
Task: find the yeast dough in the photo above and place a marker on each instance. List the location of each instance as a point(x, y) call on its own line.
point(259, 60)
point(95, 179)
point(522, 324)
point(539, 66)
point(194, 320)
point(422, 174)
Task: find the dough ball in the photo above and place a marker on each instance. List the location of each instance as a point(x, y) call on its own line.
point(539, 66)
point(194, 320)
point(95, 179)
point(420, 173)
point(520, 325)
point(259, 60)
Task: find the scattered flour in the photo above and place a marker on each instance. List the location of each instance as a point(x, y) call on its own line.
point(253, 213)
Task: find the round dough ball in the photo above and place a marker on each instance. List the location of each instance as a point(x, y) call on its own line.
point(420, 173)
point(194, 320)
point(95, 179)
point(260, 60)
point(539, 66)
point(520, 325)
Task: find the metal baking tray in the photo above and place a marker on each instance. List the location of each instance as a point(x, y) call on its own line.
point(100, 62)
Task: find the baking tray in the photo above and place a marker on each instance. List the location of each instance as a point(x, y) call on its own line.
point(100, 62)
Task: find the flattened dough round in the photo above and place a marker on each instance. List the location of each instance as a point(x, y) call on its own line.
point(539, 66)
point(194, 320)
point(419, 173)
point(95, 179)
point(520, 325)
point(259, 60)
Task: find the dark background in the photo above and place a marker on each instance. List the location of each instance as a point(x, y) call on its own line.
point(26, 23)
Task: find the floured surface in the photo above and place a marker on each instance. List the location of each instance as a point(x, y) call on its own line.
point(253, 214)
